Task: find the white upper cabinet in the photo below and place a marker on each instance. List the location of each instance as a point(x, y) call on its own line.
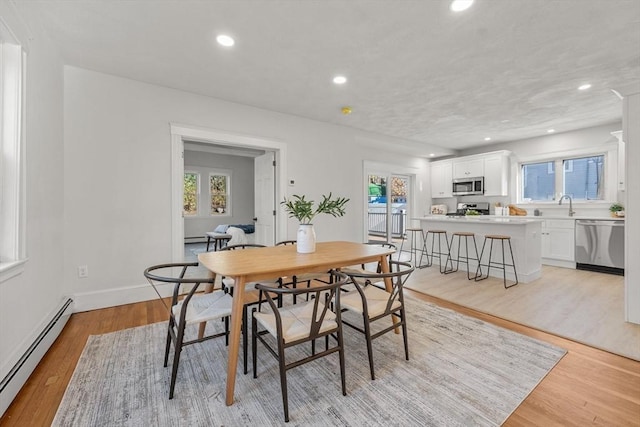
point(496, 174)
point(468, 168)
point(441, 179)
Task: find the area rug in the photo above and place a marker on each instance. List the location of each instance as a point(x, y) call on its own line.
point(462, 372)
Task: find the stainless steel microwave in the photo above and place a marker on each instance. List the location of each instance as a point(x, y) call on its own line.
point(468, 186)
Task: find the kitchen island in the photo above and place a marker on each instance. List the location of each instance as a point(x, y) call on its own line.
point(525, 235)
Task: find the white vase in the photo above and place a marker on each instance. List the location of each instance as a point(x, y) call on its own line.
point(306, 239)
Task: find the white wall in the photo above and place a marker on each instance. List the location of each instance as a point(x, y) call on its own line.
point(631, 135)
point(117, 175)
point(28, 301)
point(241, 192)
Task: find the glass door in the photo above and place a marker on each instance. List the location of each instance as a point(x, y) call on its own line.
point(387, 207)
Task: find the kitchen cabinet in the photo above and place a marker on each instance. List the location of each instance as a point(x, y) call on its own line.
point(441, 178)
point(496, 175)
point(468, 168)
point(558, 242)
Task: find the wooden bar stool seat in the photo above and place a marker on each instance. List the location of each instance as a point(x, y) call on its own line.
point(464, 259)
point(497, 264)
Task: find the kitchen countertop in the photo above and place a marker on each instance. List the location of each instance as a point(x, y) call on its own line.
point(491, 218)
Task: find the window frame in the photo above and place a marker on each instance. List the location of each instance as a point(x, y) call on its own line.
point(13, 251)
point(610, 153)
point(198, 187)
point(228, 209)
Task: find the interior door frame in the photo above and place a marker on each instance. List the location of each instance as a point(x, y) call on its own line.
point(180, 133)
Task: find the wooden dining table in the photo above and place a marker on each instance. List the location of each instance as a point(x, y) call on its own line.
point(271, 262)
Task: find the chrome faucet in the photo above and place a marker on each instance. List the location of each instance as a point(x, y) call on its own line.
point(571, 211)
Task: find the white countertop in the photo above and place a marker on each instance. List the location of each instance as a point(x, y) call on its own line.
point(513, 218)
point(487, 219)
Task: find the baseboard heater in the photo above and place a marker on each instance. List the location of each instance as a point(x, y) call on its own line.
point(19, 374)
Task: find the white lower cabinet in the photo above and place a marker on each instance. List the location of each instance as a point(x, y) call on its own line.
point(558, 242)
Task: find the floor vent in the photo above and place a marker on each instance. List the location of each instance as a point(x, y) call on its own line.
point(18, 375)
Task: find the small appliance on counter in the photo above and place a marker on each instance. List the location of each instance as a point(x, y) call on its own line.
point(481, 207)
point(439, 209)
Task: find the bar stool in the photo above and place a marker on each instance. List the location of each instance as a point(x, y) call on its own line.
point(416, 234)
point(500, 265)
point(464, 259)
point(438, 254)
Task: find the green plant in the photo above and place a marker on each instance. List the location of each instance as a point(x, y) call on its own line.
point(472, 212)
point(616, 207)
point(303, 210)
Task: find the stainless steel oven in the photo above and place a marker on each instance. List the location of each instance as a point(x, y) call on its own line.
point(468, 186)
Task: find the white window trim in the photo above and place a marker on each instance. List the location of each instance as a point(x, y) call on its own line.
point(13, 254)
point(610, 153)
point(227, 212)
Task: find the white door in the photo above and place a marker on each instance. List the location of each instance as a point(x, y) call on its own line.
point(264, 199)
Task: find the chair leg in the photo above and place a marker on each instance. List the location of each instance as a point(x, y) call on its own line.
point(367, 333)
point(342, 365)
point(176, 360)
point(245, 339)
point(283, 381)
point(168, 347)
point(403, 319)
point(254, 345)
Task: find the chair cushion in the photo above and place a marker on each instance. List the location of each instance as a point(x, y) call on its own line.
point(296, 321)
point(376, 301)
point(201, 308)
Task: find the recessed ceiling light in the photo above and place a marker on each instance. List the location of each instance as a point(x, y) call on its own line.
point(225, 40)
point(339, 80)
point(551, 130)
point(431, 154)
point(487, 138)
point(460, 5)
point(584, 86)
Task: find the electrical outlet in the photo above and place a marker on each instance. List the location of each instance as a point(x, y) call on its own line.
point(83, 271)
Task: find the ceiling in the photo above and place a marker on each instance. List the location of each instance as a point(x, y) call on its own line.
point(429, 77)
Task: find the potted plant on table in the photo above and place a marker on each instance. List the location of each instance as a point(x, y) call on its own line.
point(617, 210)
point(304, 211)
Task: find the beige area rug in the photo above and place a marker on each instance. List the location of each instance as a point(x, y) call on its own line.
point(582, 306)
point(462, 372)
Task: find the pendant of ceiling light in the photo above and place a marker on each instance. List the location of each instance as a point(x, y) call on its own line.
point(460, 5)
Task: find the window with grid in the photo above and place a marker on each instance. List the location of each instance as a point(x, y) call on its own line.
point(190, 193)
point(219, 194)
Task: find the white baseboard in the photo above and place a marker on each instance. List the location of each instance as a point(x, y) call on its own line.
point(31, 351)
point(86, 301)
point(558, 263)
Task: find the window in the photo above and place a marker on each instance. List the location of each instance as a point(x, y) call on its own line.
point(582, 178)
point(219, 193)
point(538, 181)
point(190, 193)
point(12, 208)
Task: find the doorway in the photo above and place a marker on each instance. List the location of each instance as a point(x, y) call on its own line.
point(387, 210)
point(231, 141)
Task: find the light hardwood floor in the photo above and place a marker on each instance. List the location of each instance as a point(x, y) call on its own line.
point(587, 387)
point(580, 305)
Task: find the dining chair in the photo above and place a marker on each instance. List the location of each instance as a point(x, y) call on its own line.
point(372, 267)
point(373, 303)
point(252, 296)
point(307, 278)
point(191, 309)
point(298, 324)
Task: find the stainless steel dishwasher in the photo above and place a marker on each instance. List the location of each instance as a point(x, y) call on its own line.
point(600, 245)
